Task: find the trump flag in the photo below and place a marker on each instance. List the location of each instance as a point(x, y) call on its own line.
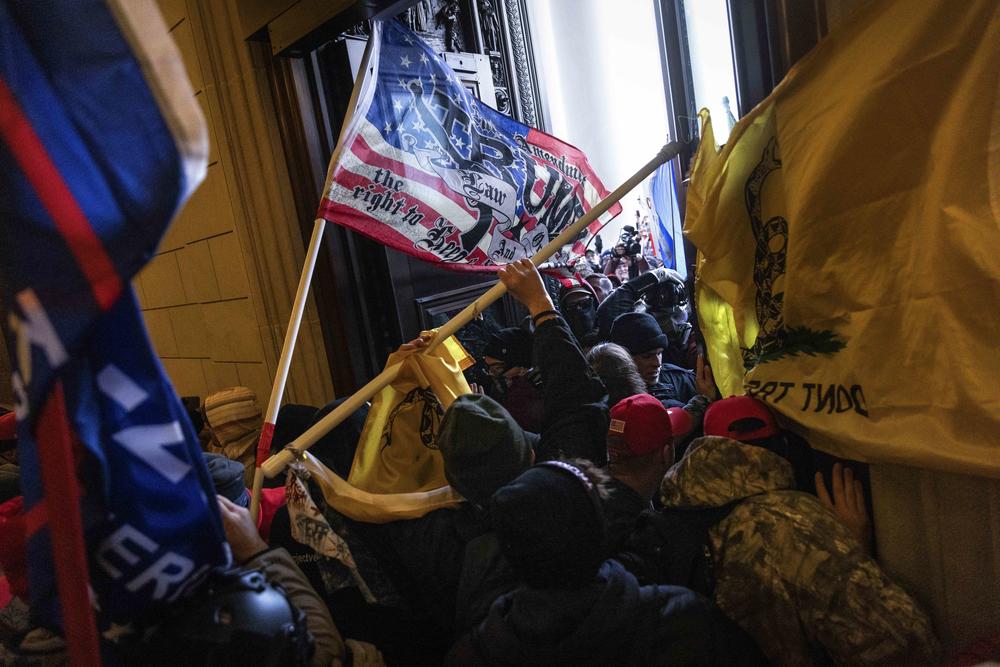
point(101, 141)
point(426, 168)
point(848, 238)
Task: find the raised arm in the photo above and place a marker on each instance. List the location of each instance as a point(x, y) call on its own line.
point(575, 420)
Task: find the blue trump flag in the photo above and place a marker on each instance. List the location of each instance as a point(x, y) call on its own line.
point(101, 141)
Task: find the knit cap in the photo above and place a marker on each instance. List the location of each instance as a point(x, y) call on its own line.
point(511, 346)
point(551, 526)
point(227, 478)
point(483, 447)
point(235, 420)
point(638, 333)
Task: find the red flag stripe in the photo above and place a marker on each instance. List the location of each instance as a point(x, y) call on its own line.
point(58, 200)
point(35, 519)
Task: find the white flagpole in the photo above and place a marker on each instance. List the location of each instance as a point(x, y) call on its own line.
point(274, 465)
point(285, 363)
point(288, 347)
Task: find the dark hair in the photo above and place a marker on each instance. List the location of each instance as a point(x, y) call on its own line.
point(747, 425)
point(797, 452)
point(599, 477)
point(614, 365)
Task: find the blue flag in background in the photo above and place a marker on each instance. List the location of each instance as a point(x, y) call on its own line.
point(101, 141)
point(666, 228)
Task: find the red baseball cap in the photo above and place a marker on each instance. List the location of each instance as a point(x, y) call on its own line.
point(8, 426)
point(643, 425)
point(740, 418)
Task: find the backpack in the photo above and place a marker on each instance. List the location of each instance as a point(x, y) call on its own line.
point(671, 546)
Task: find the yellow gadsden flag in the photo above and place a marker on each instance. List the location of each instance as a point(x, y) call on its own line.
point(397, 471)
point(849, 240)
point(398, 450)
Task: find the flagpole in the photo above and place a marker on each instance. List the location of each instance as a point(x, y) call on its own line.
point(284, 364)
point(61, 508)
point(275, 464)
point(267, 432)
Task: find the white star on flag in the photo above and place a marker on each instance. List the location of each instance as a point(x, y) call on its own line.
point(457, 141)
point(424, 59)
point(397, 105)
point(388, 126)
point(405, 61)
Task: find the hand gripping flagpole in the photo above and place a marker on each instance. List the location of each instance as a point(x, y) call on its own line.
point(275, 464)
point(284, 363)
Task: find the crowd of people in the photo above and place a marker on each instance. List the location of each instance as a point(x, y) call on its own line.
point(617, 511)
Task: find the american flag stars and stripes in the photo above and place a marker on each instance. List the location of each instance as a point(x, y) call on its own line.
point(426, 168)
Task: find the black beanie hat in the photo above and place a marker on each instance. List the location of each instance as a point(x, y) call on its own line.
point(551, 526)
point(638, 333)
point(227, 478)
point(482, 446)
point(512, 346)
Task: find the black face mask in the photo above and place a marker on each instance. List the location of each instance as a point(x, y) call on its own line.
point(581, 317)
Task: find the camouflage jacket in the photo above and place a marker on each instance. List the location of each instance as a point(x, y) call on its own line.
point(787, 571)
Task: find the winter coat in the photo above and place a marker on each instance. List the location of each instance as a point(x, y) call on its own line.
point(280, 569)
point(574, 425)
point(575, 418)
point(674, 384)
point(612, 621)
point(622, 508)
point(787, 571)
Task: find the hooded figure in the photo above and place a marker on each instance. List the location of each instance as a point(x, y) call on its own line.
point(234, 418)
point(574, 608)
point(787, 571)
point(578, 305)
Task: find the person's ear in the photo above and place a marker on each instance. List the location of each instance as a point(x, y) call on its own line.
point(667, 453)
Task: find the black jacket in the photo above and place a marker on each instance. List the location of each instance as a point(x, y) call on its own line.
point(575, 420)
point(612, 621)
point(675, 384)
point(621, 509)
point(621, 301)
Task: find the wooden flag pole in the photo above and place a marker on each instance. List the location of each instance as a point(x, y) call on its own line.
point(284, 363)
point(274, 465)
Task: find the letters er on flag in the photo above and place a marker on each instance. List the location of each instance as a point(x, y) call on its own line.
point(101, 140)
point(427, 169)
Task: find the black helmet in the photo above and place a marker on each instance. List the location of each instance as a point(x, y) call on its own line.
point(669, 303)
point(236, 618)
